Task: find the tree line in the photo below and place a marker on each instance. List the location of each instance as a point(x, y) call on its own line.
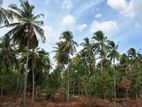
point(97, 70)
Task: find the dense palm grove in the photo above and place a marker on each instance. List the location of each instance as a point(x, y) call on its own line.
point(97, 70)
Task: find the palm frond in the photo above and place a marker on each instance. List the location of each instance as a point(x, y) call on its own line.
point(38, 16)
point(40, 31)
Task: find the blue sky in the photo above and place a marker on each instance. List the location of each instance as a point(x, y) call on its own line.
point(120, 20)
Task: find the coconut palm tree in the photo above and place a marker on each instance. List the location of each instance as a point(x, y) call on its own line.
point(88, 54)
point(34, 64)
point(101, 46)
point(134, 68)
point(125, 67)
point(88, 58)
point(7, 56)
point(25, 31)
point(67, 48)
point(113, 55)
point(39, 62)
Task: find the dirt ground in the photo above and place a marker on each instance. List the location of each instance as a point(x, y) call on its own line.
point(14, 101)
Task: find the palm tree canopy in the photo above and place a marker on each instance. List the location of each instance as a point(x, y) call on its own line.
point(99, 36)
point(131, 52)
point(113, 53)
point(7, 54)
point(27, 26)
point(101, 43)
point(87, 50)
point(5, 16)
point(60, 57)
point(68, 45)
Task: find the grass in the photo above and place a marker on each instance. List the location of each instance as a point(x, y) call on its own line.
point(15, 101)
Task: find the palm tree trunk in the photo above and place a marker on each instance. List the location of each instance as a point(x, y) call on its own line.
point(87, 79)
point(68, 87)
point(114, 80)
point(33, 90)
point(26, 73)
point(33, 79)
point(3, 76)
point(2, 85)
point(21, 83)
point(73, 87)
point(3, 79)
point(17, 83)
point(86, 87)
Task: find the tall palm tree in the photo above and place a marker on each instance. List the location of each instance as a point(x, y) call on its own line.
point(133, 68)
point(39, 62)
point(88, 54)
point(113, 55)
point(7, 56)
point(68, 47)
point(100, 46)
point(125, 67)
point(25, 31)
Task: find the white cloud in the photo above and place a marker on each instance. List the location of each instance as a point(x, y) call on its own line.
point(81, 27)
point(68, 22)
point(137, 5)
point(129, 9)
point(98, 15)
point(50, 34)
point(122, 7)
point(86, 6)
point(105, 26)
point(67, 4)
